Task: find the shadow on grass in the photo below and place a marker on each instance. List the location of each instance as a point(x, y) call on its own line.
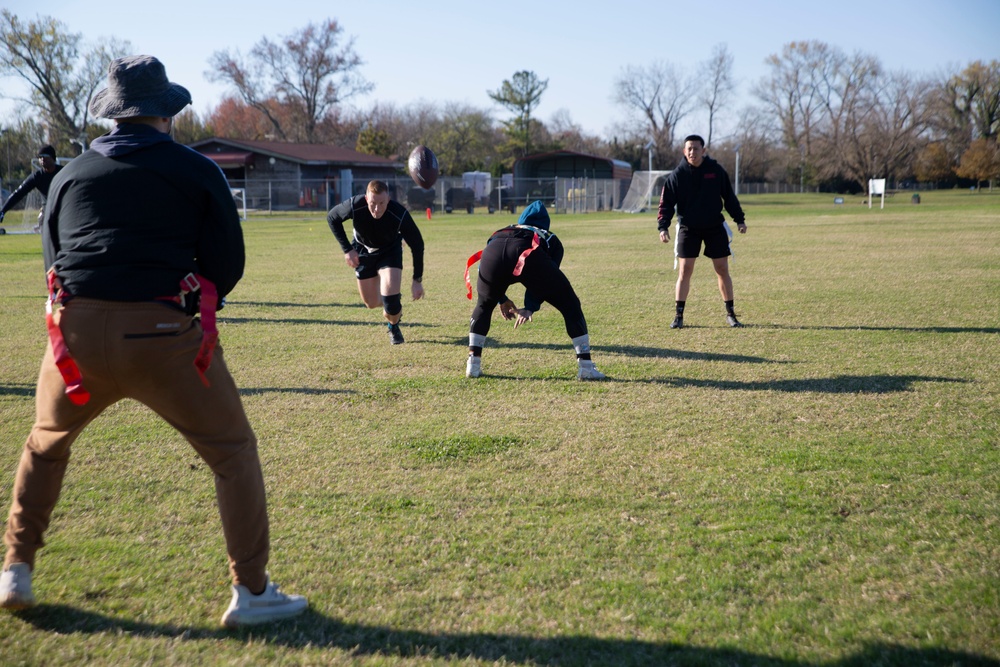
point(839, 384)
point(314, 630)
point(936, 330)
point(669, 353)
point(259, 391)
point(28, 391)
point(290, 304)
point(25, 390)
point(340, 323)
point(624, 350)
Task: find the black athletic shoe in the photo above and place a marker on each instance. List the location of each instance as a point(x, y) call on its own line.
point(733, 322)
point(678, 323)
point(395, 335)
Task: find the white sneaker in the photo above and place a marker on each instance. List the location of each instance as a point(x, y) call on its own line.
point(15, 587)
point(588, 371)
point(271, 605)
point(474, 366)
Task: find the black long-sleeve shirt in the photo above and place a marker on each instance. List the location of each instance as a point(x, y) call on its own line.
point(128, 219)
point(39, 180)
point(395, 224)
point(698, 193)
point(549, 243)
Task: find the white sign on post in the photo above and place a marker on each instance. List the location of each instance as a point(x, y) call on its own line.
point(876, 186)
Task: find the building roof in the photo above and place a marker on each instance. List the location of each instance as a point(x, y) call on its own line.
point(568, 162)
point(310, 154)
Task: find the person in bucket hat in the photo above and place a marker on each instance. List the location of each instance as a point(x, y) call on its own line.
point(141, 240)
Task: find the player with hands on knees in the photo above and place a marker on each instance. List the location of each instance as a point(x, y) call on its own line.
point(530, 254)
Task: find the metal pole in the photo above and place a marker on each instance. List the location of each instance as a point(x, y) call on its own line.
point(737, 171)
point(6, 136)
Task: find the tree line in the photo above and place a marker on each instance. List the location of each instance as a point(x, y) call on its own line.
point(819, 117)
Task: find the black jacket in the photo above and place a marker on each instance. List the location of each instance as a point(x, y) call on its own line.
point(39, 180)
point(699, 195)
point(374, 234)
point(548, 243)
point(128, 219)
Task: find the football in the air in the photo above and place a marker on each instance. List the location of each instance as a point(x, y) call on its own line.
point(423, 166)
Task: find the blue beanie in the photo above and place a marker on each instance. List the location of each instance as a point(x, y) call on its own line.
point(535, 215)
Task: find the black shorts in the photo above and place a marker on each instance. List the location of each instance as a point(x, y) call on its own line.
point(371, 262)
point(689, 240)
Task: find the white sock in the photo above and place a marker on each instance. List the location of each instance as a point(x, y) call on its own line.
point(477, 340)
point(582, 344)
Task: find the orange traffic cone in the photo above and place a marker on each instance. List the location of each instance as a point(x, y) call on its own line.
point(428, 214)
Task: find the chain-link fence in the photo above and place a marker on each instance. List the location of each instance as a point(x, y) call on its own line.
point(450, 194)
point(24, 218)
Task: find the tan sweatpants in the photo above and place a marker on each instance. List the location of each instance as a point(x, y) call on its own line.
point(143, 351)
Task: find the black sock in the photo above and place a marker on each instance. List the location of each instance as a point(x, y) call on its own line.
point(680, 308)
point(583, 356)
point(475, 351)
point(729, 308)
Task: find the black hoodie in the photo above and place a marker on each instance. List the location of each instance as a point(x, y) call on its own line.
point(699, 194)
point(128, 219)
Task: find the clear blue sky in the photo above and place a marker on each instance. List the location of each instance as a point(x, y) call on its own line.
point(447, 51)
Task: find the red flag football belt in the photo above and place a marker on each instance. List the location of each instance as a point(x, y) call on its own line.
point(518, 268)
point(70, 372)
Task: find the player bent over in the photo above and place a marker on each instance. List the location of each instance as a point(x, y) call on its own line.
point(376, 253)
point(526, 253)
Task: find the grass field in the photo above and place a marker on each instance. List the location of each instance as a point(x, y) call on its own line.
point(821, 487)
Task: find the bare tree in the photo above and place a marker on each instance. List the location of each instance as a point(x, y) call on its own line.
point(61, 75)
point(980, 98)
point(965, 106)
point(570, 136)
point(661, 96)
point(719, 87)
point(755, 141)
point(881, 129)
point(986, 110)
point(844, 90)
point(792, 92)
point(308, 73)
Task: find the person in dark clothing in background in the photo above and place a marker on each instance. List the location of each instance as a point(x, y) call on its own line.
point(140, 233)
point(380, 225)
point(40, 180)
point(699, 187)
point(526, 253)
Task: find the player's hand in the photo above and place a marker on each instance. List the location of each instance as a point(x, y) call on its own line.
point(508, 310)
point(665, 236)
point(523, 315)
point(417, 290)
point(351, 257)
point(742, 227)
